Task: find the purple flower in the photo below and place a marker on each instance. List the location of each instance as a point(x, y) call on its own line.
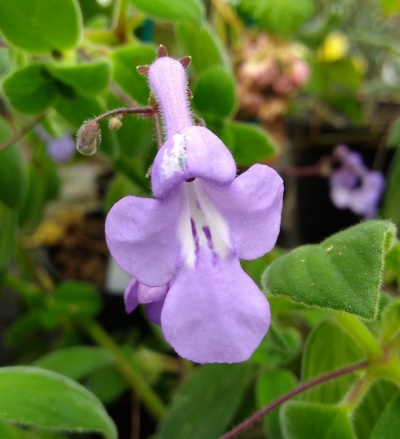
point(183, 247)
point(354, 186)
point(61, 149)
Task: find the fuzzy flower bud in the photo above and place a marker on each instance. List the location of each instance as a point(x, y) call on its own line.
point(88, 137)
point(114, 123)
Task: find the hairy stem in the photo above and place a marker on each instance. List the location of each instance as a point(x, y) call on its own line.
point(289, 395)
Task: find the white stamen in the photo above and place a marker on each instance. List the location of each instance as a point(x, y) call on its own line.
point(174, 160)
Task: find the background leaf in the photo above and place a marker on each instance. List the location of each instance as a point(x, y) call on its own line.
point(31, 89)
point(343, 273)
point(302, 420)
point(174, 10)
point(328, 347)
point(270, 386)
point(251, 144)
point(206, 402)
point(43, 399)
point(39, 26)
point(214, 94)
point(388, 424)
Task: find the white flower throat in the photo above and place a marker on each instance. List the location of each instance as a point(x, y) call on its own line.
point(201, 226)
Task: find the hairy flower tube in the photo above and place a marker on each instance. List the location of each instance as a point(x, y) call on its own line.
point(183, 247)
point(354, 186)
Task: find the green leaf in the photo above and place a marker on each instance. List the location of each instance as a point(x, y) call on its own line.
point(75, 362)
point(391, 205)
point(174, 10)
point(280, 347)
point(31, 89)
point(388, 425)
point(328, 347)
point(270, 386)
point(43, 399)
point(343, 273)
point(78, 299)
point(214, 93)
point(393, 138)
point(390, 7)
point(8, 236)
point(302, 420)
point(282, 18)
point(206, 403)
point(87, 79)
point(251, 143)
point(391, 320)
point(201, 43)
point(39, 26)
point(125, 61)
point(106, 383)
point(12, 172)
point(369, 410)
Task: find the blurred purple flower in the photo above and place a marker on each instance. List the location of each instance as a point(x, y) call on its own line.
point(61, 149)
point(354, 186)
point(183, 247)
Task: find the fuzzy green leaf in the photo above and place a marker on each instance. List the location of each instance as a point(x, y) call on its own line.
point(388, 425)
point(343, 273)
point(43, 399)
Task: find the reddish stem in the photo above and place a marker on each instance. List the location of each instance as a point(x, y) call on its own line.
point(301, 388)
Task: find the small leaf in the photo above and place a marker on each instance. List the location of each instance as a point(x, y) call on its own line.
point(391, 320)
point(251, 143)
point(173, 10)
point(369, 410)
point(388, 425)
point(391, 205)
point(39, 26)
point(270, 386)
point(75, 362)
point(390, 7)
point(125, 61)
point(206, 402)
point(43, 399)
point(8, 236)
point(393, 138)
point(106, 383)
point(87, 79)
point(214, 93)
point(302, 420)
point(327, 348)
point(31, 89)
point(342, 273)
point(201, 43)
point(12, 172)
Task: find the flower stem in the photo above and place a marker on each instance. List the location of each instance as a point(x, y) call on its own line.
point(21, 133)
point(361, 335)
point(301, 388)
point(134, 379)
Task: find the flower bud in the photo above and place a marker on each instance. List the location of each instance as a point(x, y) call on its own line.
point(88, 137)
point(114, 123)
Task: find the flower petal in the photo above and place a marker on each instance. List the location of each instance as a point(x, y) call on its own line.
point(131, 296)
point(214, 313)
point(195, 152)
point(252, 206)
point(153, 311)
point(140, 234)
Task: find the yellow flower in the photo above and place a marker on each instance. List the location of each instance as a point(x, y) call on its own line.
point(334, 47)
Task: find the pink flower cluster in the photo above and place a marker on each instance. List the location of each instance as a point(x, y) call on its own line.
point(269, 74)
